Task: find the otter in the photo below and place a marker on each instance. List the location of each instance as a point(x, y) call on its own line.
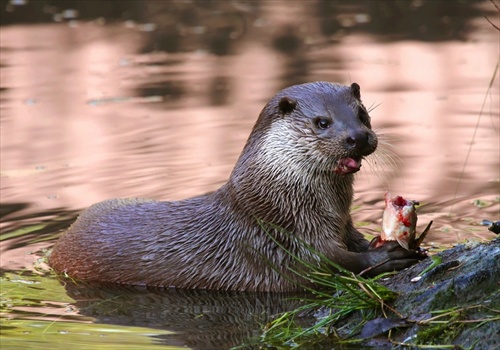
point(291, 187)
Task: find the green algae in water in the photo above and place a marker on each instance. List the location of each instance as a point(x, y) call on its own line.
point(22, 290)
point(36, 313)
point(21, 232)
point(36, 334)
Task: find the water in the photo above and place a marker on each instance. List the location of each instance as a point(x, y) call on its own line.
point(141, 99)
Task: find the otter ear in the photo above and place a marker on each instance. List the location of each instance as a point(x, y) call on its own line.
point(287, 105)
point(356, 91)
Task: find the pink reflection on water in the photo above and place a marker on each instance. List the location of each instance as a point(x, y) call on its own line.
point(75, 132)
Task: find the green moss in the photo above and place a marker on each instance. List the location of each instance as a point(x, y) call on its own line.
point(440, 332)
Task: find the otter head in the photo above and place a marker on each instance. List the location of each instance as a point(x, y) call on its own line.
point(320, 125)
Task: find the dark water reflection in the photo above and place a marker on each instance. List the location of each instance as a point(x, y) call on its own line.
point(156, 99)
point(200, 319)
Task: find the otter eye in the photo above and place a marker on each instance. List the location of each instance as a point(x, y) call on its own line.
point(323, 123)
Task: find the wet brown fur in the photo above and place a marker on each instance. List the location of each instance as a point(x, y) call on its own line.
point(285, 176)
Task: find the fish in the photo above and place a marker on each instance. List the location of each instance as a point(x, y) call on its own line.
point(399, 223)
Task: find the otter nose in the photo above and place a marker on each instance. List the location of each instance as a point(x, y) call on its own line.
point(357, 140)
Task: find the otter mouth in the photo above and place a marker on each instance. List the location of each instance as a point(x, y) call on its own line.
point(348, 166)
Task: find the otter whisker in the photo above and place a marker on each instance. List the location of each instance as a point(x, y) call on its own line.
point(373, 106)
point(385, 162)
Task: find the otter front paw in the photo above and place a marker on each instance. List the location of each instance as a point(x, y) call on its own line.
point(390, 257)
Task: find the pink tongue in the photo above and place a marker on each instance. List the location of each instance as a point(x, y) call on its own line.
point(348, 166)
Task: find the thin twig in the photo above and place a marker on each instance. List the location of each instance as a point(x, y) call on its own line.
point(474, 134)
point(373, 267)
point(492, 23)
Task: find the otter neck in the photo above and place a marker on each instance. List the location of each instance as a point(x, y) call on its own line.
point(292, 196)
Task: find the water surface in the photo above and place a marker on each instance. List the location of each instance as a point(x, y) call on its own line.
point(147, 100)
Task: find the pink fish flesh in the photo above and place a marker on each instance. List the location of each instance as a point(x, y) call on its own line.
point(399, 221)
